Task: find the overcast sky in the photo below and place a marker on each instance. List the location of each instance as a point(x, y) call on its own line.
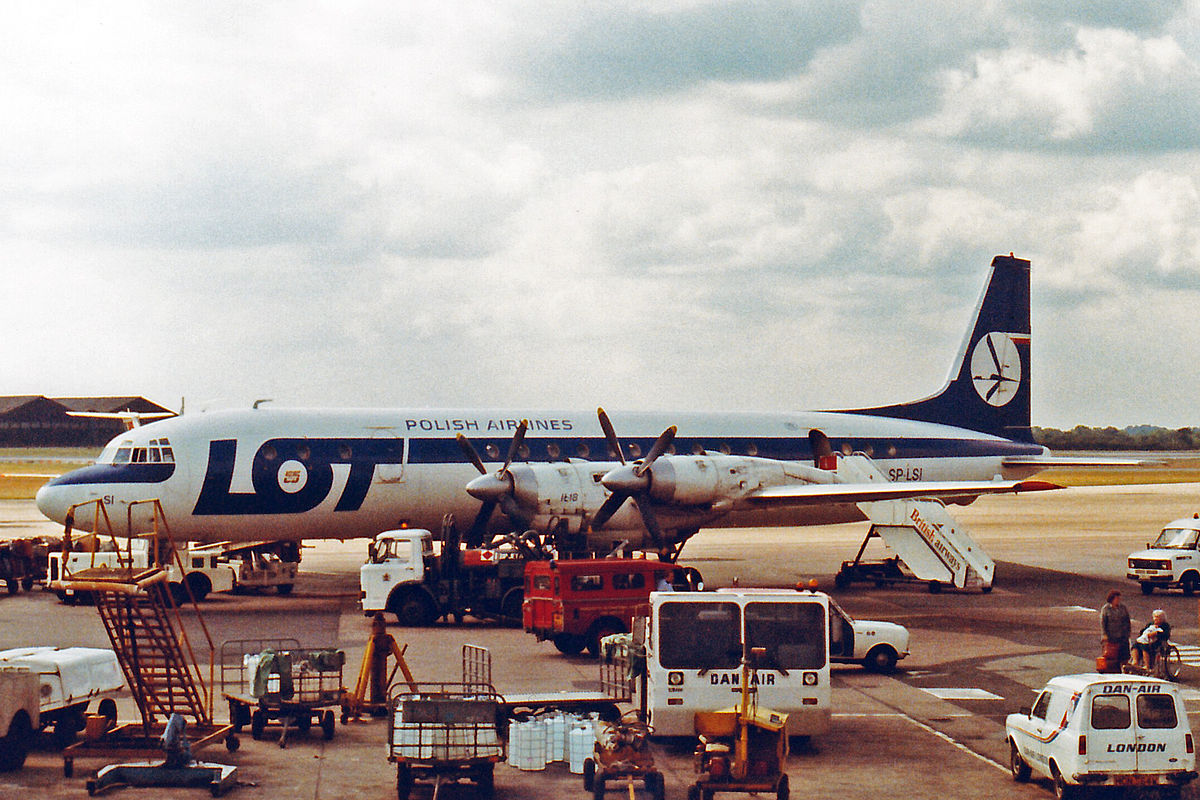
point(662, 204)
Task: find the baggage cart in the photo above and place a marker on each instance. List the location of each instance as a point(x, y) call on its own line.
point(276, 681)
point(444, 732)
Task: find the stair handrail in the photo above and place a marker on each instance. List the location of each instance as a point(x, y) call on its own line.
point(157, 515)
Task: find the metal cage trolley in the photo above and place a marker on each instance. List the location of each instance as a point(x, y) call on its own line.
point(276, 681)
point(445, 732)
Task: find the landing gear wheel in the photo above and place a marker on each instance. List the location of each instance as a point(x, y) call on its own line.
point(1017, 766)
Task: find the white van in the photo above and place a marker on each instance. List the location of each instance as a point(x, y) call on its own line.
point(1104, 730)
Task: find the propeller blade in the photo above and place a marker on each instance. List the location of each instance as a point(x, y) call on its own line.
point(651, 521)
point(515, 444)
point(478, 529)
point(465, 444)
point(610, 434)
point(609, 508)
point(660, 446)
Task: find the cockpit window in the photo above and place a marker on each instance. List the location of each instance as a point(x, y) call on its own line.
point(156, 451)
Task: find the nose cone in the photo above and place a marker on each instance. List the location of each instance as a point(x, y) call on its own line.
point(625, 480)
point(52, 500)
point(489, 487)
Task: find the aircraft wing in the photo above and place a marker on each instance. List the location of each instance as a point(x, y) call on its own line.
point(1046, 462)
point(816, 493)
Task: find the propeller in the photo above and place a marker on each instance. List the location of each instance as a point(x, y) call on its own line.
point(631, 480)
point(493, 489)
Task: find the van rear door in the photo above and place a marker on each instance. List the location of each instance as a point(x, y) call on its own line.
point(1159, 739)
point(1111, 740)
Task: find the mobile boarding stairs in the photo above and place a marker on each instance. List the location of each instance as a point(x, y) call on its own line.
point(930, 546)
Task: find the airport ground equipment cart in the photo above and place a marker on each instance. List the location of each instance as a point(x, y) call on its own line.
point(278, 682)
point(445, 732)
point(622, 755)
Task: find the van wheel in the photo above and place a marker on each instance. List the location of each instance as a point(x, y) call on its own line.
point(284, 589)
point(1189, 583)
point(1062, 789)
point(1147, 587)
point(881, 659)
point(1020, 770)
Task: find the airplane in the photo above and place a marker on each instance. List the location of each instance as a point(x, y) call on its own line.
point(279, 473)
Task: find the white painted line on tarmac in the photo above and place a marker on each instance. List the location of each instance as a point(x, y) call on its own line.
point(956, 743)
point(954, 693)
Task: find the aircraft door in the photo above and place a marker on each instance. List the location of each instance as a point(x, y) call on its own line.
point(392, 456)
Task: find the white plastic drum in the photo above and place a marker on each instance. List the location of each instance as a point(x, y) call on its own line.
point(580, 742)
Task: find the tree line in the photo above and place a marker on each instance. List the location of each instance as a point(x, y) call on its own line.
point(1139, 437)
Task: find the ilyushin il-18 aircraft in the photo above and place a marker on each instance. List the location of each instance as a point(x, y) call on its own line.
point(649, 480)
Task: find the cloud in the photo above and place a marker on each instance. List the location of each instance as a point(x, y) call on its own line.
point(1112, 91)
point(614, 53)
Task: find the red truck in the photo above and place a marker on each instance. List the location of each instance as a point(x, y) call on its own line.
point(577, 602)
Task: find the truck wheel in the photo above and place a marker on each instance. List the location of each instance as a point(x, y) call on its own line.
point(510, 607)
point(200, 586)
point(416, 610)
point(285, 589)
point(15, 744)
point(178, 593)
point(781, 789)
point(601, 628)
point(569, 644)
point(1189, 583)
point(881, 658)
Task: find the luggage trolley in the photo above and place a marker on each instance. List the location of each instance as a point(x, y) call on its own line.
point(277, 680)
point(445, 732)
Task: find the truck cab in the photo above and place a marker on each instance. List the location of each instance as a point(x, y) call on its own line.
point(1104, 730)
point(576, 602)
point(394, 558)
point(1172, 560)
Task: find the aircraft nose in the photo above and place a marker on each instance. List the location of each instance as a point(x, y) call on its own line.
point(51, 501)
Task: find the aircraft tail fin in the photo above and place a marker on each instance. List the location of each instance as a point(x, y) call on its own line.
point(988, 387)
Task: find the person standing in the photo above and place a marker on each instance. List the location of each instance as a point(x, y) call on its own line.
point(1115, 627)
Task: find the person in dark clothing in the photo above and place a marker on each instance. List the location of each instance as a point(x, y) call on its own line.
point(1115, 625)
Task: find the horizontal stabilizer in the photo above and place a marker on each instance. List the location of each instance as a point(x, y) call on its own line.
point(809, 493)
